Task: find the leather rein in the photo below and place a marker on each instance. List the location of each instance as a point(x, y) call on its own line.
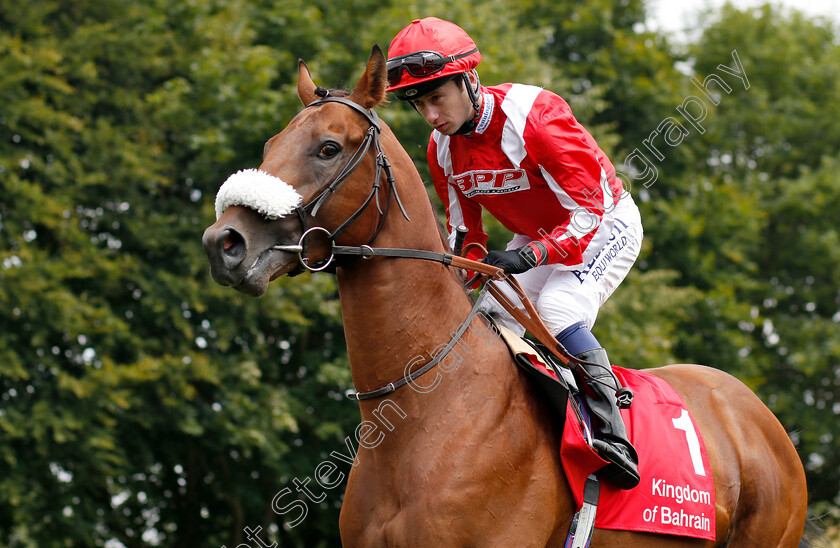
point(527, 315)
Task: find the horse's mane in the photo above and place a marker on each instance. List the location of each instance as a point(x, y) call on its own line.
point(444, 236)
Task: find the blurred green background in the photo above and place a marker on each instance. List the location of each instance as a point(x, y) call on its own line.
point(143, 405)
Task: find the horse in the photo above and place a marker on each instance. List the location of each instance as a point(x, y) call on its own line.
point(475, 457)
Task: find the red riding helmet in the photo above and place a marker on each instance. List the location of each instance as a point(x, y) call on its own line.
point(426, 54)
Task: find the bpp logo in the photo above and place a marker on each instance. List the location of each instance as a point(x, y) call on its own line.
point(485, 181)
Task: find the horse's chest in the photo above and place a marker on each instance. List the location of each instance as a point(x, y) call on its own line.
point(462, 502)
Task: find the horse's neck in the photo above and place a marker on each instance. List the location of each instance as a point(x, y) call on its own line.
point(395, 309)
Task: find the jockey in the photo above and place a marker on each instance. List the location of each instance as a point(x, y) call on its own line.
point(518, 152)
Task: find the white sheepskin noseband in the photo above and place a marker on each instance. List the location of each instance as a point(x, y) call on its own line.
point(260, 191)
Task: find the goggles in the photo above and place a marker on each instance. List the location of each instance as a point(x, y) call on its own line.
point(420, 64)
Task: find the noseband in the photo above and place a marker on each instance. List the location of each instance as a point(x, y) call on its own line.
point(382, 165)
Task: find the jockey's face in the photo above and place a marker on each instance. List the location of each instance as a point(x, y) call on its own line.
point(447, 108)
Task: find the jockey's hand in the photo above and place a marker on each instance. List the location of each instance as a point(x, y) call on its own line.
point(513, 261)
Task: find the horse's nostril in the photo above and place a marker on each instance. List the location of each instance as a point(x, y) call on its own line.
point(229, 242)
point(232, 247)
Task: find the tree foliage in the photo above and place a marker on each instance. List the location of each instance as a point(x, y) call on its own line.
point(142, 405)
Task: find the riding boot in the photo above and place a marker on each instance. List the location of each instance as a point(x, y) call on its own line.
point(610, 434)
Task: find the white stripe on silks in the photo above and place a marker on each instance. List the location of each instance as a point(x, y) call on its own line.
point(516, 106)
point(456, 214)
point(583, 219)
point(486, 113)
point(444, 160)
point(609, 199)
point(444, 157)
point(266, 194)
point(562, 196)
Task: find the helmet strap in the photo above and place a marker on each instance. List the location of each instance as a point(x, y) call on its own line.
point(469, 125)
point(473, 92)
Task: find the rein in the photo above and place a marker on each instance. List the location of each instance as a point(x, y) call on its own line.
point(529, 318)
point(392, 386)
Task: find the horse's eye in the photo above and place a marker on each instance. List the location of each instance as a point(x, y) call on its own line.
point(328, 150)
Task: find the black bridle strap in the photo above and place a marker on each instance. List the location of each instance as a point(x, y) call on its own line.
point(349, 168)
point(382, 165)
point(529, 318)
point(369, 114)
point(379, 392)
point(367, 252)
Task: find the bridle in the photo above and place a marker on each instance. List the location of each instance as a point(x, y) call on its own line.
point(371, 138)
point(529, 318)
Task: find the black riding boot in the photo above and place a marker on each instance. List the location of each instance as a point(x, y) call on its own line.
point(609, 431)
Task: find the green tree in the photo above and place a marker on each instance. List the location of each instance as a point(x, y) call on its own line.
point(752, 226)
point(138, 400)
point(142, 403)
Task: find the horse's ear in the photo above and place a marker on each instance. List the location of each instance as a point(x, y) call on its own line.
point(306, 87)
point(370, 90)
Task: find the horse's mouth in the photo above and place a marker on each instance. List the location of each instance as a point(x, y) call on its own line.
point(241, 247)
point(254, 281)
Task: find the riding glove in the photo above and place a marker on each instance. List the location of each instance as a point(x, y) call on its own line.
point(513, 261)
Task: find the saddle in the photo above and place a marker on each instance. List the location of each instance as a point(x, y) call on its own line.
point(556, 382)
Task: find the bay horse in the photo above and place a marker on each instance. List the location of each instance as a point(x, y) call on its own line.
point(475, 461)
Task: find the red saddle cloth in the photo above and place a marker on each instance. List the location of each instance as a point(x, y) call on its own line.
point(677, 493)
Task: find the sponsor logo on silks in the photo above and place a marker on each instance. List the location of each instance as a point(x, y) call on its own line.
point(602, 260)
point(486, 181)
point(486, 114)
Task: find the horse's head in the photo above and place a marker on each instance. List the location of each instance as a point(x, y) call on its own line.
point(322, 170)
